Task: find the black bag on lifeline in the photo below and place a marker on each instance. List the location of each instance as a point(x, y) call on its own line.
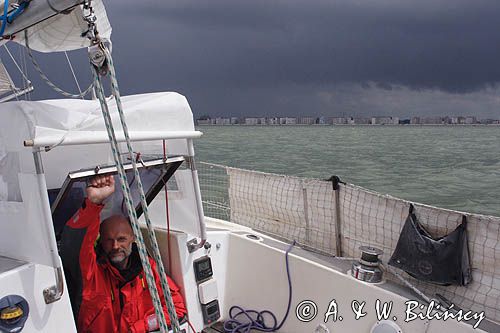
point(442, 260)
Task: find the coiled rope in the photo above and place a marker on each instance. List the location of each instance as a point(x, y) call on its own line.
point(243, 321)
point(128, 197)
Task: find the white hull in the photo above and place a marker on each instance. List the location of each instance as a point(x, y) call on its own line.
point(28, 280)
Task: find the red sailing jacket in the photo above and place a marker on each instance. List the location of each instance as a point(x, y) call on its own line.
point(103, 300)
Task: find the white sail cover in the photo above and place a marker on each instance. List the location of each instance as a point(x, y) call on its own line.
point(61, 32)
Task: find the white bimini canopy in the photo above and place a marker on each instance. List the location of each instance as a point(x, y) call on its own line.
point(75, 130)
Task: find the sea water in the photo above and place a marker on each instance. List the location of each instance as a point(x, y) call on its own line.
point(455, 167)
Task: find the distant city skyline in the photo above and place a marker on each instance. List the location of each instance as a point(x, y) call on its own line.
point(307, 120)
point(295, 57)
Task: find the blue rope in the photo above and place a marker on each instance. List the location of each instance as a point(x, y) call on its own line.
point(254, 320)
point(9, 18)
point(4, 17)
point(17, 12)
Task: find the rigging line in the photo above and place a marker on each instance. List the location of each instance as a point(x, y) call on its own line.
point(25, 66)
point(17, 65)
point(12, 86)
point(129, 201)
point(53, 8)
point(73, 72)
point(156, 251)
point(46, 79)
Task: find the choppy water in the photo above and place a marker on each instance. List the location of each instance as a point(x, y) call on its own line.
point(451, 167)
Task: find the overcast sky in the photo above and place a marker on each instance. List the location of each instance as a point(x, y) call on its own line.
point(307, 57)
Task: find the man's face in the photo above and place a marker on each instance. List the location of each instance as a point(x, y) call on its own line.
point(116, 240)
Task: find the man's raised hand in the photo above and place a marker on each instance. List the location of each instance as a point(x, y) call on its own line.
point(99, 188)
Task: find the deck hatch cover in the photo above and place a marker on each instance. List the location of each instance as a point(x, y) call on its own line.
point(155, 173)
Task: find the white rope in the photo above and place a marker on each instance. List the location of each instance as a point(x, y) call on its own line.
point(25, 67)
point(148, 272)
point(15, 63)
point(128, 197)
point(156, 250)
point(74, 75)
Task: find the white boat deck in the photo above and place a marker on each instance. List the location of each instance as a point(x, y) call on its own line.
point(8, 264)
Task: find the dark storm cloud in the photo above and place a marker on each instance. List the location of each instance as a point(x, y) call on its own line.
point(263, 57)
point(448, 45)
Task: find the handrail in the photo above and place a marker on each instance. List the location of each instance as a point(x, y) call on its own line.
point(99, 137)
point(193, 244)
point(53, 293)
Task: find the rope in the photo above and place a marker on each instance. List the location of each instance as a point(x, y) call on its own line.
point(129, 201)
point(73, 72)
point(156, 250)
point(93, 35)
point(19, 10)
point(22, 52)
point(15, 63)
point(4, 17)
point(47, 80)
point(254, 320)
point(131, 212)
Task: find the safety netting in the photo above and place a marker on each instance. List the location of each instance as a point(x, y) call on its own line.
point(304, 210)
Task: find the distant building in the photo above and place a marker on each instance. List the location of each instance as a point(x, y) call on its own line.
point(288, 121)
point(359, 121)
point(432, 121)
point(273, 121)
point(251, 121)
point(204, 121)
point(222, 121)
point(415, 121)
point(470, 120)
point(338, 121)
point(385, 121)
point(306, 121)
point(489, 121)
point(235, 121)
point(457, 120)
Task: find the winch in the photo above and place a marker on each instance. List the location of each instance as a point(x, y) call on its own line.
point(367, 269)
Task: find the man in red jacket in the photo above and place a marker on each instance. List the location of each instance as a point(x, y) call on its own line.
point(109, 289)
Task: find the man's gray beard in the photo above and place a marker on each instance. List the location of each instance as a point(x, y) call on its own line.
point(117, 260)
